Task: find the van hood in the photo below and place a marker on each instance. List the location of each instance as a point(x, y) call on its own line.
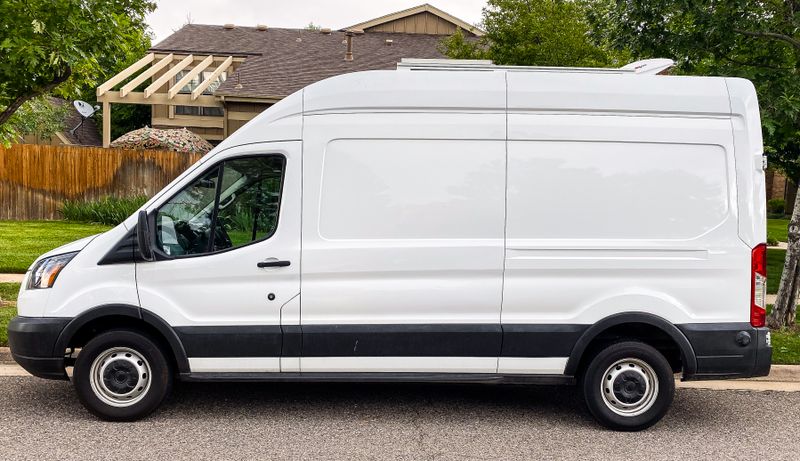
point(77, 245)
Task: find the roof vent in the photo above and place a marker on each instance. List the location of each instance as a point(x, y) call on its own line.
point(229, 26)
point(325, 31)
point(261, 27)
point(655, 66)
point(389, 41)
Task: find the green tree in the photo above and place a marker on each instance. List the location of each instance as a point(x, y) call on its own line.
point(534, 33)
point(59, 47)
point(39, 116)
point(754, 39)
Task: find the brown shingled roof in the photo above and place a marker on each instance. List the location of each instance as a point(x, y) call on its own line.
point(87, 134)
point(281, 61)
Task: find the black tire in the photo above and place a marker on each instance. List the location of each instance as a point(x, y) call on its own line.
point(626, 384)
point(155, 386)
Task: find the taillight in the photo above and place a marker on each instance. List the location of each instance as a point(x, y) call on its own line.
point(758, 286)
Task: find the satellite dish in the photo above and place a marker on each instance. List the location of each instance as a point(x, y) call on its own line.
point(650, 66)
point(85, 109)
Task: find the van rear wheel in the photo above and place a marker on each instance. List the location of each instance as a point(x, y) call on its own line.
point(122, 375)
point(628, 386)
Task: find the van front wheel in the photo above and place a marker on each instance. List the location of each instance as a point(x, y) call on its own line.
point(628, 386)
point(121, 375)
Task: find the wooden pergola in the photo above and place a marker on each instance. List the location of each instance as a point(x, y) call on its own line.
point(161, 71)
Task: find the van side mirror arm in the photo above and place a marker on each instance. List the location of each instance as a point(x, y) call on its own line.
point(144, 238)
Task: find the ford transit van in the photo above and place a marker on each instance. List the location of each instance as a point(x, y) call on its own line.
point(439, 222)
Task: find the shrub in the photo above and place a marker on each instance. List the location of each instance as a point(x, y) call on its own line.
point(772, 241)
point(108, 210)
point(776, 206)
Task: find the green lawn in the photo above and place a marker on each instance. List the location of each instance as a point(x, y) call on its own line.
point(777, 229)
point(8, 308)
point(9, 291)
point(21, 242)
point(786, 343)
point(786, 346)
point(775, 259)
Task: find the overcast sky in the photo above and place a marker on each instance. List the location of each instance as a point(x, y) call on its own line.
point(336, 14)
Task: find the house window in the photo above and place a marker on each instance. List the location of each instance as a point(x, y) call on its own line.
point(194, 110)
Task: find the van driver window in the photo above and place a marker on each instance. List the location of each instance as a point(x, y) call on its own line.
point(236, 202)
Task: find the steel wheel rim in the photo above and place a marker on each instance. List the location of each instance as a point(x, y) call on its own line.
point(629, 387)
point(120, 377)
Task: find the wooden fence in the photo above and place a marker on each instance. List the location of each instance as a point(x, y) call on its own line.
point(35, 180)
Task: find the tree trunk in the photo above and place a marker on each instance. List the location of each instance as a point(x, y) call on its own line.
point(785, 308)
point(23, 98)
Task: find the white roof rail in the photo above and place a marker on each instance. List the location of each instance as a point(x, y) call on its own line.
point(644, 67)
point(487, 65)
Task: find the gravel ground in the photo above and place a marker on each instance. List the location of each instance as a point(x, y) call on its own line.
point(42, 419)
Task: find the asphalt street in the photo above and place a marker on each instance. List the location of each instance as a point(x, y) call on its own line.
point(42, 419)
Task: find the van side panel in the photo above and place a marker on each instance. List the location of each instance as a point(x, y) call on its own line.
point(403, 217)
point(409, 91)
point(592, 205)
point(610, 93)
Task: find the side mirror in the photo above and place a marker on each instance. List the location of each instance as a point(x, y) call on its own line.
point(144, 237)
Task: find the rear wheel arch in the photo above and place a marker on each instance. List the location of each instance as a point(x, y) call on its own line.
point(625, 326)
point(120, 316)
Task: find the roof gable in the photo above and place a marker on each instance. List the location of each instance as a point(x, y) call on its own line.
point(422, 19)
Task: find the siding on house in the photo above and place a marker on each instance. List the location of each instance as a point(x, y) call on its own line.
point(420, 23)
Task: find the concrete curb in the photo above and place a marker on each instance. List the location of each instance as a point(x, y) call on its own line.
point(781, 373)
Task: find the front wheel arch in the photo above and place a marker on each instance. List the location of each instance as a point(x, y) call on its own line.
point(114, 316)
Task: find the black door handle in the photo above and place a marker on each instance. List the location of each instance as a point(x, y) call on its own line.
point(273, 263)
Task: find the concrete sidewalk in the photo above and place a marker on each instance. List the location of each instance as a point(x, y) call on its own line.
point(783, 378)
point(11, 278)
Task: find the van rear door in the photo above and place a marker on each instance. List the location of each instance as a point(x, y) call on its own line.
point(750, 163)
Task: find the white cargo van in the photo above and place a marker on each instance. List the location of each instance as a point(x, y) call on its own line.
point(438, 222)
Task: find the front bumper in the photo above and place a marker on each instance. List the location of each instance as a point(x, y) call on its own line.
point(729, 350)
point(32, 342)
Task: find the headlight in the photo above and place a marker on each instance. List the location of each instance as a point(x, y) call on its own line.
point(45, 272)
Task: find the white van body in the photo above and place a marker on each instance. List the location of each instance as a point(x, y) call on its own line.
point(459, 223)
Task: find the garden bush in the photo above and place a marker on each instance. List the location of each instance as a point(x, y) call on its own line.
point(108, 210)
point(776, 206)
